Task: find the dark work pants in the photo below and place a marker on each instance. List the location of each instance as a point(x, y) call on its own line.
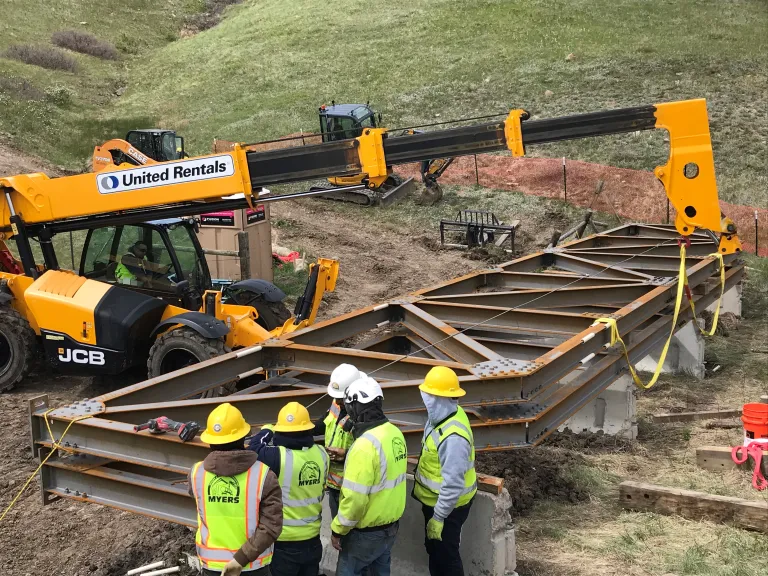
point(444, 557)
point(260, 572)
point(297, 558)
point(333, 502)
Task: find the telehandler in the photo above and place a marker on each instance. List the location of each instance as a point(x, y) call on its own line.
point(89, 323)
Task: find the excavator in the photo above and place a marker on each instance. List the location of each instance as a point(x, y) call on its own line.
point(86, 323)
point(140, 147)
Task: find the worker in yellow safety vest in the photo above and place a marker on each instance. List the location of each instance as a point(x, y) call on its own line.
point(239, 504)
point(289, 450)
point(445, 480)
point(373, 491)
point(336, 428)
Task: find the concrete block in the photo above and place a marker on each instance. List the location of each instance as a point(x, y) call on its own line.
point(613, 412)
point(686, 353)
point(487, 543)
point(731, 301)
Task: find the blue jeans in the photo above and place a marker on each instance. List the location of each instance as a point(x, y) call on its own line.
point(366, 549)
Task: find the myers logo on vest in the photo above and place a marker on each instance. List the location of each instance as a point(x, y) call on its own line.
point(224, 490)
point(398, 449)
point(309, 474)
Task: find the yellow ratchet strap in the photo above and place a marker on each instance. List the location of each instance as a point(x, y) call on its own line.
point(616, 337)
point(719, 302)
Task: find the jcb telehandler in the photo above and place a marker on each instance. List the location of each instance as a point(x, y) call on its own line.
point(89, 323)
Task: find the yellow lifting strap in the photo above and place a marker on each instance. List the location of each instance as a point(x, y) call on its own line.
point(682, 288)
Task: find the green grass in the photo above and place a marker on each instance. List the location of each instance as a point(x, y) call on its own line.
point(64, 130)
point(262, 72)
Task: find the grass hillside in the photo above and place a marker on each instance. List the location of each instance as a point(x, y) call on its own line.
point(265, 68)
point(262, 72)
point(60, 112)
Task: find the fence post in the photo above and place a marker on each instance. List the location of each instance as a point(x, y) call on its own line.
point(565, 185)
point(667, 210)
point(244, 253)
point(757, 241)
point(72, 248)
point(477, 176)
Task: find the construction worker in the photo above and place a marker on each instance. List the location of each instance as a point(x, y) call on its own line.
point(373, 490)
point(337, 429)
point(302, 468)
point(239, 504)
point(134, 268)
point(445, 480)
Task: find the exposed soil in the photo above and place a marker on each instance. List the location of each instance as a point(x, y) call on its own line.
point(373, 264)
point(531, 475)
point(13, 162)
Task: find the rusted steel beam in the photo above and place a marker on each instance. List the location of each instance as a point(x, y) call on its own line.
point(445, 338)
point(566, 295)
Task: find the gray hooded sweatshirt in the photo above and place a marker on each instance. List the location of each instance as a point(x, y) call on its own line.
point(454, 454)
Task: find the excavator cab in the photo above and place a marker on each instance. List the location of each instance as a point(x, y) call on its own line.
point(344, 121)
point(160, 145)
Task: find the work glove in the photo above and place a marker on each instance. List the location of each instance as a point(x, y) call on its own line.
point(232, 568)
point(434, 529)
point(269, 427)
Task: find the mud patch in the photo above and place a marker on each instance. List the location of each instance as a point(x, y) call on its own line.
point(165, 541)
point(532, 475)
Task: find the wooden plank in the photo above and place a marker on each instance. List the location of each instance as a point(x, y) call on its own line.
point(694, 505)
point(718, 458)
point(692, 416)
point(489, 484)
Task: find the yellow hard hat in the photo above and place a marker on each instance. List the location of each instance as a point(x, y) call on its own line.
point(442, 381)
point(293, 417)
point(225, 424)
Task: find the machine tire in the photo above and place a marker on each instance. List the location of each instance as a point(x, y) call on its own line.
point(17, 348)
point(182, 347)
point(271, 314)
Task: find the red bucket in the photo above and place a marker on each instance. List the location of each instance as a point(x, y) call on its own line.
point(755, 419)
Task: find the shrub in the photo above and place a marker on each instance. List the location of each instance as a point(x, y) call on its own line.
point(85, 43)
point(43, 56)
point(59, 95)
point(20, 89)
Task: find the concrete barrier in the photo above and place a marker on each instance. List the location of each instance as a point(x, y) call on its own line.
point(487, 543)
point(613, 412)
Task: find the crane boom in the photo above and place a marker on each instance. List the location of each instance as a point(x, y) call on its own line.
point(195, 185)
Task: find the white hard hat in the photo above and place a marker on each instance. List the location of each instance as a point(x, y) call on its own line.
point(341, 377)
point(364, 390)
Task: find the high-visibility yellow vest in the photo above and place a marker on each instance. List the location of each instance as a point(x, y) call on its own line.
point(336, 437)
point(123, 273)
point(302, 480)
point(429, 477)
point(227, 514)
point(373, 495)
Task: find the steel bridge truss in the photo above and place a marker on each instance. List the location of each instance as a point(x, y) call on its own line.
point(521, 336)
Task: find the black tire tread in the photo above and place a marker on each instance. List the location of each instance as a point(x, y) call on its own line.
point(213, 346)
point(20, 327)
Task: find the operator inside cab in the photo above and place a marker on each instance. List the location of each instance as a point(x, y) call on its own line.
point(136, 270)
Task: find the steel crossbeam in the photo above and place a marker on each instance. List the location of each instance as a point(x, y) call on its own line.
point(512, 333)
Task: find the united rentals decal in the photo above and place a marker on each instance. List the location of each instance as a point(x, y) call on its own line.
point(166, 174)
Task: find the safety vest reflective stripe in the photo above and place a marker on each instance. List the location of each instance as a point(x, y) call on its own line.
point(373, 492)
point(198, 475)
point(345, 522)
point(384, 484)
point(428, 474)
point(302, 479)
point(215, 557)
point(301, 521)
point(336, 437)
